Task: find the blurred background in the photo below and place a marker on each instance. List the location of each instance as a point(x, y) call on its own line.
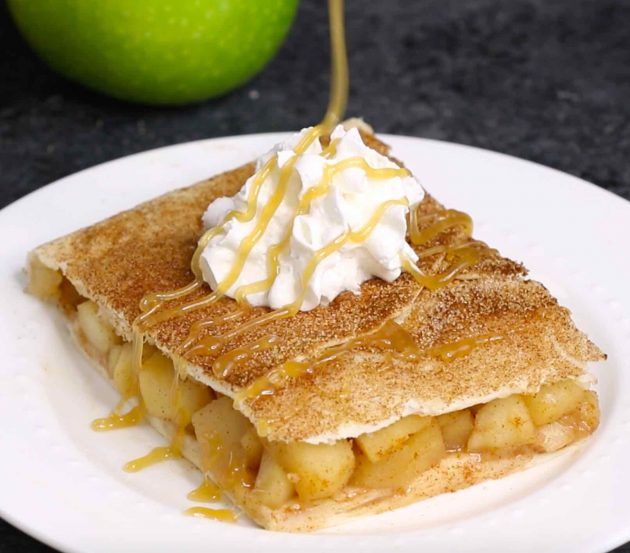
point(545, 80)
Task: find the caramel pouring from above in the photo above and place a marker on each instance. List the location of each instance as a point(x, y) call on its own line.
point(339, 81)
point(154, 303)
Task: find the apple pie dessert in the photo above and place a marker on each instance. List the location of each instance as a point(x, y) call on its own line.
point(340, 344)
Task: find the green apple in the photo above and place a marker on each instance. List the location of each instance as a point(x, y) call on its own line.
point(156, 51)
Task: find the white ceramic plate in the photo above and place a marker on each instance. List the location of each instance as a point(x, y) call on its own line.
point(63, 483)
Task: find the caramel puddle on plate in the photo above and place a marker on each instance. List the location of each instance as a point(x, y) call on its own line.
point(224, 515)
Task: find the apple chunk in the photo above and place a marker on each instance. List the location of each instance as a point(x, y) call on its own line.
point(553, 401)
point(381, 443)
point(420, 452)
point(123, 372)
point(252, 447)
point(43, 282)
point(588, 412)
point(191, 396)
point(95, 329)
point(456, 429)
point(156, 380)
point(219, 429)
point(502, 423)
point(320, 470)
point(572, 426)
point(553, 436)
point(272, 486)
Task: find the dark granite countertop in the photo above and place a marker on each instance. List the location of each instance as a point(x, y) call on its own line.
point(546, 80)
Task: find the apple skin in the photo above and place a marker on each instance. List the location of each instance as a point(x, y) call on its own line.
point(161, 52)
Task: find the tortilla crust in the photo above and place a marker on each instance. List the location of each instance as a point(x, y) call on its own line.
point(148, 249)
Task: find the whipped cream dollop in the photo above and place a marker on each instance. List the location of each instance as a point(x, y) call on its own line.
point(350, 202)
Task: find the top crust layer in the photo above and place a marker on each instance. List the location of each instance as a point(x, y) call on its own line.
point(148, 249)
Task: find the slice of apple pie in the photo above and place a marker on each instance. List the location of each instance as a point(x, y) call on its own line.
point(459, 370)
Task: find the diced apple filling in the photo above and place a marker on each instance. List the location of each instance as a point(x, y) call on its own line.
point(553, 401)
point(121, 368)
point(418, 453)
point(276, 473)
point(95, 329)
point(385, 441)
point(456, 429)
point(273, 487)
point(42, 281)
point(317, 471)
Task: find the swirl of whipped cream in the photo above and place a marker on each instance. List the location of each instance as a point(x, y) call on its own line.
point(350, 201)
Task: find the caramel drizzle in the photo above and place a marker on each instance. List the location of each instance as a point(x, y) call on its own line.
point(230, 469)
point(156, 455)
point(317, 191)
point(136, 415)
point(114, 420)
point(463, 257)
point(390, 337)
point(224, 515)
point(461, 348)
point(238, 356)
point(206, 492)
point(444, 220)
point(164, 453)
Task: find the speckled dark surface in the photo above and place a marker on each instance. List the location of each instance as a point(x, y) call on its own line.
point(547, 80)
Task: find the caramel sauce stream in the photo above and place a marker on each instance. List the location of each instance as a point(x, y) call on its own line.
point(153, 303)
point(339, 82)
